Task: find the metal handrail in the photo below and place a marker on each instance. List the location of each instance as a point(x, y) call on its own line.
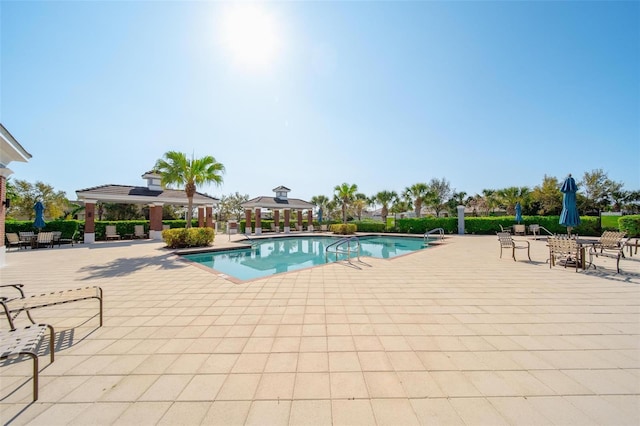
point(336, 248)
point(433, 231)
point(546, 230)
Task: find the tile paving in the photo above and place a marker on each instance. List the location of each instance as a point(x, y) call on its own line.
point(449, 335)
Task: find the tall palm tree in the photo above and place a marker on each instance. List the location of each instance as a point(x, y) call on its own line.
point(385, 198)
point(176, 169)
point(417, 193)
point(344, 195)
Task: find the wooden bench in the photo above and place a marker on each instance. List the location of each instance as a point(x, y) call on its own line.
point(24, 303)
point(17, 342)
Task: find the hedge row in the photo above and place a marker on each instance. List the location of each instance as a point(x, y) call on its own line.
point(69, 227)
point(630, 224)
point(589, 226)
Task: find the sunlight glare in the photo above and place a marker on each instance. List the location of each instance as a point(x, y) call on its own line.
point(250, 35)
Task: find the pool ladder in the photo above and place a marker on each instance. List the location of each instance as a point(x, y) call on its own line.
point(339, 247)
point(428, 234)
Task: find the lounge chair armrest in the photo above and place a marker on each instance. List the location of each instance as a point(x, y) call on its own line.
point(16, 286)
point(6, 312)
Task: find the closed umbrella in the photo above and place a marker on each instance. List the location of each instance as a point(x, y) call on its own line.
point(39, 222)
point(518, 212)
point(320, 215)
point(569, 216)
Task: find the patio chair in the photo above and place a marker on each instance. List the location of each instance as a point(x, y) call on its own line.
point(44, 239)
point(534, 229)
point(507, 242)
point(55, 239)
point(28, 238)
point(25, 341)
point(631, 244)
point(138, 232)
point(564, 250)
point(13, 240)
point(610, 244)
point(505, 229)
point(110, 233)
point(23, 303)
point(519, 229)
point(69, 240)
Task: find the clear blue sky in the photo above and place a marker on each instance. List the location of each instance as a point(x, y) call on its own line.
point(313, 94)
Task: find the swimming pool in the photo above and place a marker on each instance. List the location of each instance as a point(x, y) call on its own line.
point(276, 255)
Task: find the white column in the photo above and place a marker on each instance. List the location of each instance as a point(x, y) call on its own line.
point(460, 220)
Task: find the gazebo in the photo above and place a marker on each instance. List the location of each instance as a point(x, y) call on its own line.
point(10, 150)
point(280, 202)
point(152, 195)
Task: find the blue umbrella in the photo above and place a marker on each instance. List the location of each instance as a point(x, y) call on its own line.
point(569, 216)
point(518, 212)
point(39, 222)
point(320, 215)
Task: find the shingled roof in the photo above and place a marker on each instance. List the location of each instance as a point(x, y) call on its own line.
point(277, 203)
point(142, 195)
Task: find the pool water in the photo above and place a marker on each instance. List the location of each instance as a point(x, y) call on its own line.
point(276, 255)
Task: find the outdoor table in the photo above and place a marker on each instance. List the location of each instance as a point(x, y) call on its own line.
point(583, 244)
point(30, 240)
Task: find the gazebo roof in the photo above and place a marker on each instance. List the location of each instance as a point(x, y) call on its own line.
point(277, 203)
point(10, 149)
point(142, 195)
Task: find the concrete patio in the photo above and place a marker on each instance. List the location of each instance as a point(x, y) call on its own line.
point(449, 335)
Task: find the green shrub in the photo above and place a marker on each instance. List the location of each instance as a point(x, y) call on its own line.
point(67, 227)
point(630, 224)
point(369, 226)
point(343, 228)
point(191, 237)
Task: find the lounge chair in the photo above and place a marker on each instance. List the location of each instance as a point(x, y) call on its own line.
point(44, 239)
point(17, 342)
point(13, 240)
point(22, 303)
point(139, 232)
point(110, 233)
point(507, 242)
point(564, 250)
point(610, 244)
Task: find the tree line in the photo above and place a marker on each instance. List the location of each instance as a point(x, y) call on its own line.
point(596, 193)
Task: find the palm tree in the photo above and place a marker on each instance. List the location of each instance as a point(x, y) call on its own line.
point(359, 203)
point(177, 170)
point(321, 202)
point(489, 198)
point(385, 198)
point(417, 193)
point(344, 195)
point(511, 195)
